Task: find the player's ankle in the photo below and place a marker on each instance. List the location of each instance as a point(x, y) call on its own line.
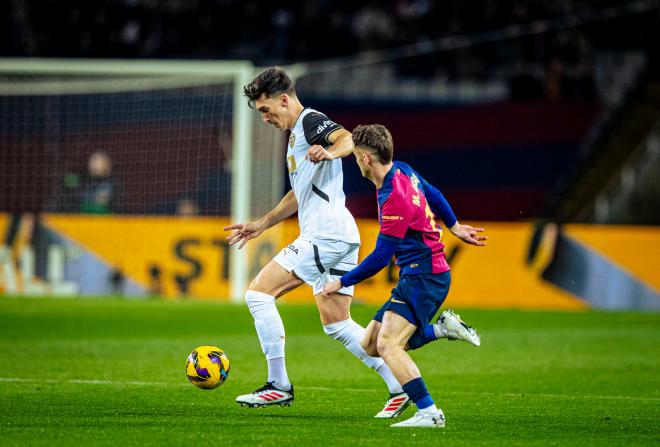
point(440, 331)
point(431, 411)
point(282, 386)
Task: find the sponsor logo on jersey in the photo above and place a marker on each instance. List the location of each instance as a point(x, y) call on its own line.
point(324, 125)
point(392, 218)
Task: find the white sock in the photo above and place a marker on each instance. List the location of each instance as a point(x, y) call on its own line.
point(349, 334)
point(387, 375)
point(431, 411)
point(270, 330)
point(277, 373)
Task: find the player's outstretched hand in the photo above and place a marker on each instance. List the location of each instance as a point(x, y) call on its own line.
point(317, 154)
point(243, 233)
point(469, 234)
point(331, 288)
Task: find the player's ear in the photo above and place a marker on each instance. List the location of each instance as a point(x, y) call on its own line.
point(284, 100)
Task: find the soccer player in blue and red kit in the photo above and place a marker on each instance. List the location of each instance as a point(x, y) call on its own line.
point(407, 207)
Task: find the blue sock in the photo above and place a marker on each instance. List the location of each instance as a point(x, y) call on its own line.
point(421, 337)
point(416, 390)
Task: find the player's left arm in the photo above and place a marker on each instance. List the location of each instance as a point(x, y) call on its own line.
point(342, 146)
point(328, 139)
point(440, 207)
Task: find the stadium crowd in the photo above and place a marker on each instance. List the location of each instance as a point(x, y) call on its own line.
point(287, 31)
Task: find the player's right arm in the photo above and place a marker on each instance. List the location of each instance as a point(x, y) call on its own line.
point(440, 207)
point(243, 232)
point(328, 139)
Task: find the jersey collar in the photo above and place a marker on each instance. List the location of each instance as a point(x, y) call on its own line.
point(388, 177)
point(298, 119)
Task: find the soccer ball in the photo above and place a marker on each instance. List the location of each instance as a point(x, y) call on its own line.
point(207, 367)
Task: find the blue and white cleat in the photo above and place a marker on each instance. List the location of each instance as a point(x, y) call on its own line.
point(421, 419)
point(451, 326)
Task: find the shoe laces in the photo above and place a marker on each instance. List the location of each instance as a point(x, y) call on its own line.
point(267, 387)
point(462, 323)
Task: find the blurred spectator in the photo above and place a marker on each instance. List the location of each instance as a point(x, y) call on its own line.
point(299, 30)
point(97, 189)
point(187, 207)
point(90, 193)
point(373, 27)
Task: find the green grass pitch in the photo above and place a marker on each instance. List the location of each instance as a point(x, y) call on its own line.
point(111, 372)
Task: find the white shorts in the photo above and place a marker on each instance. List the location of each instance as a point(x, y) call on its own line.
point(319, 262)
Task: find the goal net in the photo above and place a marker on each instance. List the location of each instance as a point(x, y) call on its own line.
point(124, 164)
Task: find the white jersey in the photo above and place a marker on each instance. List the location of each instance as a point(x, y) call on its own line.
point(319, 188)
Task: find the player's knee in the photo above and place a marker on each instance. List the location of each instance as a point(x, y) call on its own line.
point(369, 347)
point(385, 346)
point(257, 286)
point(261, 287)
point(254, 298)
point(333, 312)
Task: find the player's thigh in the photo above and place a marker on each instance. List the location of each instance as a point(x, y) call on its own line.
point(370, 339)
point(334, 308)
point(275, 280)
point(332, 260)
point(394, 332)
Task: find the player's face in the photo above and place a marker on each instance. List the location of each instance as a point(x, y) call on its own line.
point(273, 110)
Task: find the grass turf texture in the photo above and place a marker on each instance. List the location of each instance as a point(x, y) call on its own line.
point(112, 372)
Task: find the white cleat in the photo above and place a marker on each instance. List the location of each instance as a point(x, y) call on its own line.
point(421, 419)
point(266, 396)
point(394, 406)
point(456, 329)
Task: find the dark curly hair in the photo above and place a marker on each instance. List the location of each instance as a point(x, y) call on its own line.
point(377, 139)
point(271, 82)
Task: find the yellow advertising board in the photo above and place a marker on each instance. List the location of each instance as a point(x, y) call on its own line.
point(492, 276)
point(194, 252)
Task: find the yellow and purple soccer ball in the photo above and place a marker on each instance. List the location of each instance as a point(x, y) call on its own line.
point(207, 367)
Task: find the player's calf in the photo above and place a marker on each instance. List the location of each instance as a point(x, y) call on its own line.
point(370, 339)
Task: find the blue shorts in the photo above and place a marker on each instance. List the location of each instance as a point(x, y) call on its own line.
point(417, 298)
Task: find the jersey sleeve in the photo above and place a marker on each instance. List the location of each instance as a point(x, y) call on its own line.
point(438, 203)
point(395, 216)
point(372, 264)
point(318, 127)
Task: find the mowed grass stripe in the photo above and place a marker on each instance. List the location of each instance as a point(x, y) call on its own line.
point(111, 372)
point(328, 389)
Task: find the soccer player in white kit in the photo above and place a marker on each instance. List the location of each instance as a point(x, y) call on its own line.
point(327, 246)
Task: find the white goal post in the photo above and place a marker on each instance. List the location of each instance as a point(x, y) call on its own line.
point(29, 77)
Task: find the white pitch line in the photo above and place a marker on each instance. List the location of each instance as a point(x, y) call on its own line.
point(91, 382)
point(559, 396)
point(322, 388)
